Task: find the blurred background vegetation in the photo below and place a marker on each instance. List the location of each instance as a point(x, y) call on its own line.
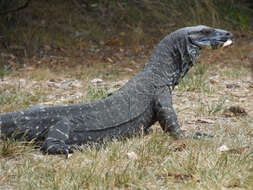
point(30, 27)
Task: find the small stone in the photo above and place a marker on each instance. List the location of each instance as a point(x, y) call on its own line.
point(128, 69)
point(76, 84)
point(213, 81)
point(222, 149)
point(110, 60)
point(204, 120)
point(22, 81)
point(235, 111)
point(132, 155)
point(233, 85)
point(96, 81)
point(68, 156)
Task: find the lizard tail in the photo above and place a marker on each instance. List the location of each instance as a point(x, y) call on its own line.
point(7, 125)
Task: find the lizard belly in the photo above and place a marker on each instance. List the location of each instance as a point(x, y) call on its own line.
point(142, 122)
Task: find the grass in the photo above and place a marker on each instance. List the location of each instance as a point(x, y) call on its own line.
point(4, 71)
point(159, 162)
point(195, 80)
point(18, 98)
point(95, 93)
point(11, 148)
point(211, 108)
point(197, 166)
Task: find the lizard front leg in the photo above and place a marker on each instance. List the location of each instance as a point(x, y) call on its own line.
point(58, 134)
point(166, 115)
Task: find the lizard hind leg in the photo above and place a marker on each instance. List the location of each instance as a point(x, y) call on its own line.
point(58, 134)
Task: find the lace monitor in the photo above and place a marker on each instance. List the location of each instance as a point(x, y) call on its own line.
point(145, 99)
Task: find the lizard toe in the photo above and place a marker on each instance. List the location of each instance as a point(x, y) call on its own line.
point(57, 149)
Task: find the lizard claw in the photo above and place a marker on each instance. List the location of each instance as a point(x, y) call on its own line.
point(57, 149)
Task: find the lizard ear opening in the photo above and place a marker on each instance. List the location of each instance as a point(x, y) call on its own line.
point(190, 39)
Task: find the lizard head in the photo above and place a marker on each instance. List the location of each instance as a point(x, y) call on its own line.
point(178, 51)
point(208, 37)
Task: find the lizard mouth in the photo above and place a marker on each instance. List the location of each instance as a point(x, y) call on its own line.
point(214, 44)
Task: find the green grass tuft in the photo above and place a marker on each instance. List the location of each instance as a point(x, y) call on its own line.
point(95, 93)
point(195, 80)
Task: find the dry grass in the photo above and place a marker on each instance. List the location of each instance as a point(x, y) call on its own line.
point(143, 162)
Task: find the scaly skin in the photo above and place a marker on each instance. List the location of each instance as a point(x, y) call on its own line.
point(145, 99)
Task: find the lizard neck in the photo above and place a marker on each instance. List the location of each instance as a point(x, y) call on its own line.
point(172, 59)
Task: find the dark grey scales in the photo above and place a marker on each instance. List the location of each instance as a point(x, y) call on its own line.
point(145, 99)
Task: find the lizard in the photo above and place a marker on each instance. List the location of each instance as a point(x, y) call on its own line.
point(142, 101)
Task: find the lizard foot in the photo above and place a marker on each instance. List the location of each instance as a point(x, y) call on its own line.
point(58, 149)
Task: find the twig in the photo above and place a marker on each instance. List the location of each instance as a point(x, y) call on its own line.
point(16, 9)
